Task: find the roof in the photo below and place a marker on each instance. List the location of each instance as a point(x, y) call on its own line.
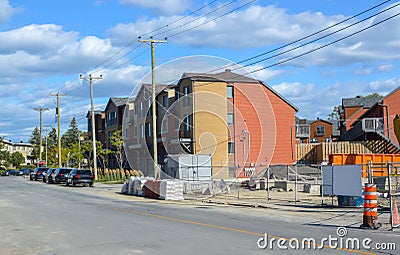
point(96, 112)
point(119, 101)
point(230, 77)
point(226, 76)
point(365, 102)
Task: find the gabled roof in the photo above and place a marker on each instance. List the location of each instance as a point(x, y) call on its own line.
point(226, 76)
point(365, 102)
point(117, 101)
point(147, 88)
point(96, 112)
point(230, 77)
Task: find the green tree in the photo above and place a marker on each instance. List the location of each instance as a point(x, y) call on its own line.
point(16, 159)
point(335, 114)
point(117, 142)
point(71, 136)
point(103, 155)
point(374, 95)
point(35, 141)
point(4, 157)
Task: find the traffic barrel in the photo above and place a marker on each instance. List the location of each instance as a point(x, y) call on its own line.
point(370, 215)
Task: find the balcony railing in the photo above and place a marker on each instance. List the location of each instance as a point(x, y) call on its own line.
point(373, 125)
point(302, 130)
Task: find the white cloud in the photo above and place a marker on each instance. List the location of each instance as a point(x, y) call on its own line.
point(385, 86)
point(385, 68)
point(365, 70)
point(6, 10)
point(164, 6)
point(272, 26)
point(294, 90)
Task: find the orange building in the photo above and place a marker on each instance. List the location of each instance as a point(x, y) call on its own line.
point(243, 123)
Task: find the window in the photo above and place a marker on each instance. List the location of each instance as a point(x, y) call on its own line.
point(164, 125)
point(229, 92)
point(320, 130)
point(187, 123)
point(149, 111)
point(142, 131)
point(135, 132)
point(111, 119)
point(148, 130)
point(165, 101)
point(230, 119)
point(141, 110)
point(186, 99)
point(231, 147)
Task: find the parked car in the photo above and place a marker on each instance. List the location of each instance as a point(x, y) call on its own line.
point(25, 172)
point(78, 176)
point(38, 173)
point(60, 175)
point(47, 177)
point(12, 172)
point(5, 173)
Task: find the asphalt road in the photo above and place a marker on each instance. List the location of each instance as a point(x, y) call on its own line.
point(38, 218)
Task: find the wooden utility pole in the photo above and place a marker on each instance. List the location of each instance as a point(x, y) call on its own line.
point(40, 109)
point(91, 78)
point(46, 126)
point(153, 102)
point(58, 95)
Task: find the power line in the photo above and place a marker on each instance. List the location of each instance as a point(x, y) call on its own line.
point(206, 22)
point(315, 40)
point(303, 38)
point(326, 45)
point(193, 20)
point(176, 21)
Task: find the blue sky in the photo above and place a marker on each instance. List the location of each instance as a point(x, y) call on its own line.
point(45, 45)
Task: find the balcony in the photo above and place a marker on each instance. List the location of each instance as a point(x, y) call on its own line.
point(302, 131)
point(374, 125)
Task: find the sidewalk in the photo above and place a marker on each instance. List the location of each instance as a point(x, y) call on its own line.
point(307, 208)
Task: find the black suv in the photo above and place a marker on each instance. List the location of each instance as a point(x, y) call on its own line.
point(38, 173)
point(78, 176)
point(47, 177)
point(60, 174)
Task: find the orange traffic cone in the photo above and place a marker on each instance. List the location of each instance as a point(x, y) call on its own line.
point(396, 217)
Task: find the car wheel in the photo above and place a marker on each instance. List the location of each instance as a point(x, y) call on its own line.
point(73, 183)
point(30, 178)
point(90, 184)
point(67, 183)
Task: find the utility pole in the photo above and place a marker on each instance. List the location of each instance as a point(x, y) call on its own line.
point(40, 109)
point(153, 102)
point(91, 78)
point(46, 126)
point(58, 95)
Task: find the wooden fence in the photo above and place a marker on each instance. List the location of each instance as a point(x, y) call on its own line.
point(316, 153)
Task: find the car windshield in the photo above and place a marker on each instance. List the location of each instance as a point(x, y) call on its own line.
point(42, 170)
point(84, 172)
point(65, 171)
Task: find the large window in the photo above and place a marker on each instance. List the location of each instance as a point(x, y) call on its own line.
point(111, 118)
point(320, 130)
point(230, 119)
point(186, 99)
point(165, 101)
point(231, 147)
point(164, 125)
point(148, 130)
point(229, 92)
point(186, 122)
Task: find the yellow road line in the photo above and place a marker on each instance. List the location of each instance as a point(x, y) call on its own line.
point(225, 228)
